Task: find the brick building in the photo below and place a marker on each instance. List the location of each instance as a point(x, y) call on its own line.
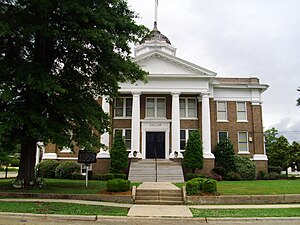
point(156, 117)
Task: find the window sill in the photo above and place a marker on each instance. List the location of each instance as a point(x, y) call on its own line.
point(188, 118)
point(122, 118)
point(244, 153)
point(242, 121)
point(222, 121)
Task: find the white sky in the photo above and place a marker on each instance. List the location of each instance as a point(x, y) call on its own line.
point(239, 38)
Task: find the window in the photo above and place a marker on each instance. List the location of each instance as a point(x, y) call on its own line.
point(241, 111)
point(184, 136)
point(221, 111)
point(126, 134)
point(222, 136)
point(243, 142)
point(188, 107)
point(123, 107)
point(84, 167)
point(155, 107)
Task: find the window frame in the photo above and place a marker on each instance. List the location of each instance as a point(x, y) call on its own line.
point(128, 148)
point(187, 134)
point(247, 151)
point(155, 107)
point(245, 112)
point(186, 108)
point(218, 134)
point(226, 111)
point(83, 167)
point(124, 107)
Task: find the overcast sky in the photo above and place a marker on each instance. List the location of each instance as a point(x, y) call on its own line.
point(239, 38)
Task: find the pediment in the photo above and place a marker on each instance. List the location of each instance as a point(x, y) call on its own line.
point(158, 63)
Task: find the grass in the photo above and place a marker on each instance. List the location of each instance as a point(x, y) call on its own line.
point(256, 187)
point(9, 169)
point(61, 186)
point(235, 213)
point(61, 208)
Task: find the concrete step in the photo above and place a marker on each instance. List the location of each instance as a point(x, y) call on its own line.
point(159, 198)
point(158, 202)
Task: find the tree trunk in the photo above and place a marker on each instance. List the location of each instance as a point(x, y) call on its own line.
point(27, 162)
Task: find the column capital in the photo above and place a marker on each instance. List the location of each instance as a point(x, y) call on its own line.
point(136, 93)
point(174, 93)
point(205, 94)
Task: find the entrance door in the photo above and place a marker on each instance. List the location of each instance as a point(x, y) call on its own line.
point(155, 145)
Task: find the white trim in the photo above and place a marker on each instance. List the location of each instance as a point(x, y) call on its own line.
point(124, 100)
point(186, 108)
point(155, 108)
point(90, 168)
point(226, 113)
point(67, 158)
point(49, 156)
point(66, 150)
point(260, 157)
point(237, 112)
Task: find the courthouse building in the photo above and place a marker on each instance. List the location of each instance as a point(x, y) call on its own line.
point(156, 117)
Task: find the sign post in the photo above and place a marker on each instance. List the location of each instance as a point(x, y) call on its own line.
point(86, 158)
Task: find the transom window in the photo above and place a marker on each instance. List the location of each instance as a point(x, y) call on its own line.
point(126, 134)
point(156, 107)
point(222, 136)
point(184, 136)
point(241, 111)
point(123, 107)
point(243, 142)
point(188, 107)
point(221, 111)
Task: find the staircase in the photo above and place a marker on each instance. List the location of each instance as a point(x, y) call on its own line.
point(158, 193)
point(145, 171)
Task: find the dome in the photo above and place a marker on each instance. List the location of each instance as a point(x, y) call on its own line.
point(156, 35)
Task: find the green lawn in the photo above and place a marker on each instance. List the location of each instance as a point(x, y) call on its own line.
point(257, 187)
point(61, 208)
point(61, 186)
point(220, 213)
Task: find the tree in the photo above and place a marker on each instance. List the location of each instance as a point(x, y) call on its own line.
point(270, 137)
point(118, 154)
point(295, 154)
point(56, 58)
point(298, 100)
point(193, 156)
point(224, 155)
point(279, 153)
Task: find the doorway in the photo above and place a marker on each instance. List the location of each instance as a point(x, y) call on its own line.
point(155, 145)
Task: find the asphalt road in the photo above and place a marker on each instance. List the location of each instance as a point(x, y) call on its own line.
point(33, 220)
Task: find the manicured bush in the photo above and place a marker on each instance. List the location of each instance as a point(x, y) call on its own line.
point(245, 167)
point(78, 176)
point(273, 176)
point(224, 155)
point(220, 170)
point(118, 155)
point(210, 186)
point(118, 185)
point(232, 176)
point(66, 169)
point(108, 176)
point(214, 176)
point(192, 187)
point(193, 156)
point(262, 175)
point(46, 169)
point(120, 175)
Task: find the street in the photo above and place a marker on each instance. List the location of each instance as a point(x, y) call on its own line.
point(40, 220)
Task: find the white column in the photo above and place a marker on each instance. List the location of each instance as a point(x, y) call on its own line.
point(206, 131)
point(135, 126)
point(104, 138)
point(175, 125)
point(39, 146)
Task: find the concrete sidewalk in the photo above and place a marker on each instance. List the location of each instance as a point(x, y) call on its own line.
point(157, 186)
point(159, 211)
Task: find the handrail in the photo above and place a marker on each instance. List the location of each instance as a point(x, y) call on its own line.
point(155, 155)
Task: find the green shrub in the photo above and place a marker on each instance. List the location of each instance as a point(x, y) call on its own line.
point(262, 175)
point(224, 155)
point(97, 177)
point(232, 176)
point(210, 186)
point(193, 156)
point(14, 162)
point(273, 176)
point(190, 176)
point(108, 176)
point(120, 175)
point(46, 169)
point(220, 170)
point(78, 176)
point(118, 185)
point(118, 154)
point(245, 167)
point(66, 169)
point(192, 187)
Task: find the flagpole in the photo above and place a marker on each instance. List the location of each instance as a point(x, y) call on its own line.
point(155, 15)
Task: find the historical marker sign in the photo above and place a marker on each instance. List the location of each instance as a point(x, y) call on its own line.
point(86, 157)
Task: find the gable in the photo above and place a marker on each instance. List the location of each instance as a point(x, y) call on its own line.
point(158, 63)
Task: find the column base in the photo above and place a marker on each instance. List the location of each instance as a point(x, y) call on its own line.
point(208, 155)
point(49, 156)
point(177, 155)
point(135, 154)
point(103, 155)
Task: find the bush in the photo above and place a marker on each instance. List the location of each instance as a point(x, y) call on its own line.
point(120, 175)
point(66, 169)
point(46, 169)
point(210, 186)
point(118, 155)
point(262, 175)
point(14, 162)
point(276, 169)
point(118, 185)
point(219, 170)
point(224, 155)
point(108, 176)
point(193, 156)
point(245, 167)
point(192, 187)
point(78, 176)
point(214, 176)
point(273, 176)
point(232, 176)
